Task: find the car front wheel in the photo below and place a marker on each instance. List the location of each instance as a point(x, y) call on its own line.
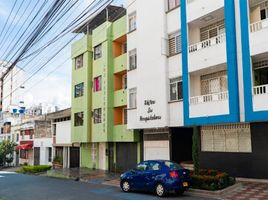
point(160, 190)
point(125, 186)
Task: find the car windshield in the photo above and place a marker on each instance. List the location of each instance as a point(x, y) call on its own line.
point(172, 165)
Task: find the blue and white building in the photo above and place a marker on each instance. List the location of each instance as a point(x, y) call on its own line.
point(196, 63)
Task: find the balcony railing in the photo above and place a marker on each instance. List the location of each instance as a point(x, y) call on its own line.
point(256, 26)
point(209, 98)
point(261, 89)
point(207, 43)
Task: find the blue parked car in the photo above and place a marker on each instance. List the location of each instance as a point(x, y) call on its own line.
point(159, 176)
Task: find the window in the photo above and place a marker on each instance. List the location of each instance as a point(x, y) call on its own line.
point(260, 73)
point(214, 83)
point(132, 22)
point(226, 138)
point(79, 90)
point(23, 154)
point(132, 98)
point(142, 166)
point(133, 59)
point(264, 10)
point(49, 154)
point(97, 116)
point(174, 43)
point(173, 4)
point(124, 48)
point(212, 30)
point(125, 116)
point(79, 61)
point(124, 81)
point(79, 119)
point(154, 166)
point(97, 52)
point(97, 84)
point(54, 129)
point(17, 137)
point(176, 89)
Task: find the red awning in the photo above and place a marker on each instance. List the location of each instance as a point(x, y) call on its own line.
point(28, 145)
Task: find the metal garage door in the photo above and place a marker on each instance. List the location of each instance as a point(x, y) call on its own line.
point(126, 156)
point(156, 150)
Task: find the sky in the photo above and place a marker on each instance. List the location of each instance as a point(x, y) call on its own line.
point(51, 85)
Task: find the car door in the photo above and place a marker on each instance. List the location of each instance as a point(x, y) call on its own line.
point(138, 176)
point(151, 174)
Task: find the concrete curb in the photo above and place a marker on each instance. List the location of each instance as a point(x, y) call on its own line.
point(251, 180)
point(219, 194)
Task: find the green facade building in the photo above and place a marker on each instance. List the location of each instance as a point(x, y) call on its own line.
point(99, 96)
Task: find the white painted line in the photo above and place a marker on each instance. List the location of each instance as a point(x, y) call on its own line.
point(4, 172)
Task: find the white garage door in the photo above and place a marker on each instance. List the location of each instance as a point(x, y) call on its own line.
point(156, 150)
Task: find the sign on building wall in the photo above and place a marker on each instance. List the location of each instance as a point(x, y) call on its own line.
point(150, 113)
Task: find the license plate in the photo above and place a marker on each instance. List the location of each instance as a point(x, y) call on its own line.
point(185, 184)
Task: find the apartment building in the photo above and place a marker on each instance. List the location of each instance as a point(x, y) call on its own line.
point(200, 64)
point(99, 98)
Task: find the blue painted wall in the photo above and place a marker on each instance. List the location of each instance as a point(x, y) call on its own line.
point(229, 12)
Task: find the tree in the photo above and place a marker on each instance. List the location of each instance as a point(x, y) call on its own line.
point(7, 149)
point(195, 150)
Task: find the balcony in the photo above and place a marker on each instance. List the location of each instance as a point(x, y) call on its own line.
point(260, 98)
point(120, 63)
point(209, 105)
point(120, 98)
point(122, 134)
point(199, 8)
point(207, 43)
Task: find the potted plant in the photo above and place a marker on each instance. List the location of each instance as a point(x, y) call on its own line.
point(57, 162)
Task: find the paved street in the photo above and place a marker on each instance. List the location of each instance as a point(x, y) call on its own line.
point(24, 187)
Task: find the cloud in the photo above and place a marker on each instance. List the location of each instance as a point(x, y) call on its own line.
point(55, 90)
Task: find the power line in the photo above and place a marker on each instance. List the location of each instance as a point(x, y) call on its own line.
point(8, 17)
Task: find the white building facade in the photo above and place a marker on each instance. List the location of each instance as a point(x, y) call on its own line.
point(200, 64)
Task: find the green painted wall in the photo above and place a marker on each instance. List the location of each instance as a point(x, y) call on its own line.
point(82, 104)
point(107, 98)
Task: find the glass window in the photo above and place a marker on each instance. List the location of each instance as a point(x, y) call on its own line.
point(263, 14)
point(79, 90)
point(176, 92)
point(124, 81)
point(154, 166)
point(79, 119)
point(174, 44)
point(142, 166)
point(133, 59)
point(97, 52)
point(97, 115)
point(132, 22)
point(125, 116)
point(172, 165)
point(79, 61)
point(49, 154)
point(132, 98)
point(173, 4)
point(97, 84)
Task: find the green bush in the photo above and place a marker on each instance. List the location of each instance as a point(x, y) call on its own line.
point(212, 180)
point(35, 169)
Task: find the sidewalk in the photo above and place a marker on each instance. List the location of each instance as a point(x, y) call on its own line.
point(84, 174)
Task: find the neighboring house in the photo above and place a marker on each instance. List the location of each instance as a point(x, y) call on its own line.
point(42, 142)
point(99, 96)
point(205, 68)
point(25, 147)
point(61, 131)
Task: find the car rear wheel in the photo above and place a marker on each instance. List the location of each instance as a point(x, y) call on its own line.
point(125, 186)
point(160, 190)
point(179, 192)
